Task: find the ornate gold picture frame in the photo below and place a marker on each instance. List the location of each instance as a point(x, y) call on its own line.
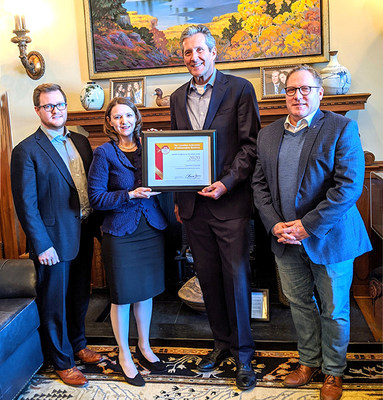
point(142, 39)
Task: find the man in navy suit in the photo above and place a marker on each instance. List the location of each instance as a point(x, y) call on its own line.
point(49, 185)
point(216, 219)
point(308, 176)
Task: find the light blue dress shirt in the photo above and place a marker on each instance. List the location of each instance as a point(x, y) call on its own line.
point(198, 103)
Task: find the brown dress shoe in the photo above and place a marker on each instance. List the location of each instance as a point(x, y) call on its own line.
point(89, 356)
point(72, 377)
point(332, 388)
point(301, 376)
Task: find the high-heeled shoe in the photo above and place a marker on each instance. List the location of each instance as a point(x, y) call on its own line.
point(157, 366)
point(138, 380)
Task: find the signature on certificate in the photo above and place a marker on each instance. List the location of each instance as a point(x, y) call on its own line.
point(193, 176)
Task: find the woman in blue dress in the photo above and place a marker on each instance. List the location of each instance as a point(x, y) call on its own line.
point(132, 243)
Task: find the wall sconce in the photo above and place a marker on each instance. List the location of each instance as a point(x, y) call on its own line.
point(33, 62)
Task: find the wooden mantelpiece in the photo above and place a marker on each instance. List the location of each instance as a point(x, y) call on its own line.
point(159, 117)
point(272, 109)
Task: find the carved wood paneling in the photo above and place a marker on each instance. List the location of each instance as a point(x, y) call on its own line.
point(12, 237)
point(364, 264)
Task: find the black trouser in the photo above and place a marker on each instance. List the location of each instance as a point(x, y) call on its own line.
point(62, 297)
point(221, 259)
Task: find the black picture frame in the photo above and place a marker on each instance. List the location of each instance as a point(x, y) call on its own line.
point(154, 175)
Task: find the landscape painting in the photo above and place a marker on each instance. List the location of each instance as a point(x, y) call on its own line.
point(141, 37)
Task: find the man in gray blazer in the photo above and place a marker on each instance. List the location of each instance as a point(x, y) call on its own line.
point(49, 185)
point(308, 176)
point(216, 219)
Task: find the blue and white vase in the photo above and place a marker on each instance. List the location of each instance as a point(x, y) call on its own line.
point(92, 96)
point(336, 78)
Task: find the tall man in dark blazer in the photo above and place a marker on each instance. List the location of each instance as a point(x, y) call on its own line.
point(216, 218)
point(308, 176)
point(49, 185)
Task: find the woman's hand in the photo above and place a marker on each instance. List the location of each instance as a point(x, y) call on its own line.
point(140, 193)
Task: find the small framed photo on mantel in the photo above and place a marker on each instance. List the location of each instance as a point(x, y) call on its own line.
point(274, 81)
point(131, 88)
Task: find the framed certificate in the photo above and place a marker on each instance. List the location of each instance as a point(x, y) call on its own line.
point(260, 304)
point(178, 160)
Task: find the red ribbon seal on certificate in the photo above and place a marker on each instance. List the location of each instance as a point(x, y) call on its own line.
point(159, 161)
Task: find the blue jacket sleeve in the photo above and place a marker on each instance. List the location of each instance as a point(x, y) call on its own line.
point(348, 184)
point(100, 196)
point(24, 190)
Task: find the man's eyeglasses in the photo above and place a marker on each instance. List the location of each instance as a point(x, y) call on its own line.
point(51, 107)
point(305, 90)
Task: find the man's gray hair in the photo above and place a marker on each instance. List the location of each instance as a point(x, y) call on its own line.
point(305, 67)
point(193, 30)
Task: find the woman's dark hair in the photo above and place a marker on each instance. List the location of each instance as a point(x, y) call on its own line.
point(108, 128)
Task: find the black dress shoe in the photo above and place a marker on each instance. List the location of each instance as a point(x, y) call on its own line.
point(245, 378)
point(212, 360)
point(138, 380)
point(157, 366)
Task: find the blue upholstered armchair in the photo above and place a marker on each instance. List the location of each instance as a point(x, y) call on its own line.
point(20, 347)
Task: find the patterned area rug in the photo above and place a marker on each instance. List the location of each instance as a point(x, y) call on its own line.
point(362, 380)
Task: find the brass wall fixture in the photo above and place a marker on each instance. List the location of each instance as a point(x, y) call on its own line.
point(33, 62)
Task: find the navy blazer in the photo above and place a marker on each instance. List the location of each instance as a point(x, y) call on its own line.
point(45, 196)
point(330, 181)
point(111, 177)
point(233, 113)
